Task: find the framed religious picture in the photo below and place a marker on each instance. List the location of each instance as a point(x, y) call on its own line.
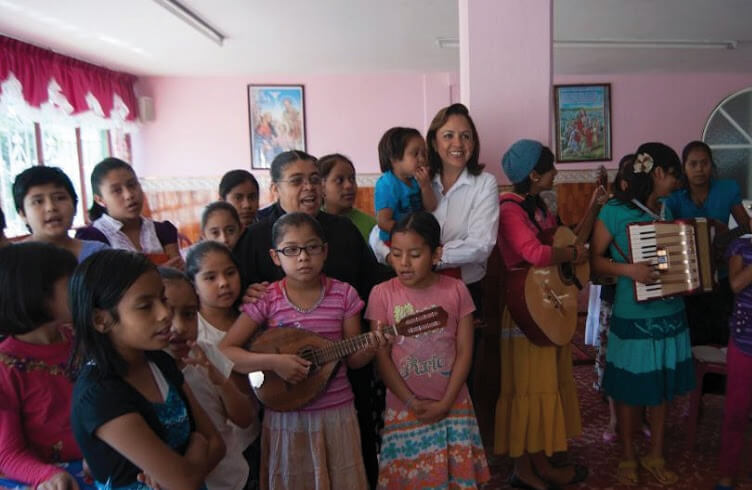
point(582, 122)
point(276, 115)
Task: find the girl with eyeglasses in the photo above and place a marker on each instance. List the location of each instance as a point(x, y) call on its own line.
point(318, 445)
point(296, 181)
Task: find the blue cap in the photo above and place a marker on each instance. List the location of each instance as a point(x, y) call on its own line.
point(520, 159)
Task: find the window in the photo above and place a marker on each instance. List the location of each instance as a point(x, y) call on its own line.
point(728, 132)
point(76, 150)
point(18, 151)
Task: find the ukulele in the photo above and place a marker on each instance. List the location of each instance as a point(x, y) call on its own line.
point(323, 354)
point(543, 300)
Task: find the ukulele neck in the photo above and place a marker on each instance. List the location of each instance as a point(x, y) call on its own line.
point(345, 347)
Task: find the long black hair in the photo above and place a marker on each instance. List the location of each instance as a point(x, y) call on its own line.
point(99, 283)
point(627, 159)
point(689, 148)
point(474, 167)
point(234, 178)
point(98, 174)
point(28, 272)
point(640, 184)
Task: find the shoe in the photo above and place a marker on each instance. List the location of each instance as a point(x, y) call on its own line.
point(657, 468)
point(626, 473)
point(516, 482)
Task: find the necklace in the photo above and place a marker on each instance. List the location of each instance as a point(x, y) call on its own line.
point(298, 308)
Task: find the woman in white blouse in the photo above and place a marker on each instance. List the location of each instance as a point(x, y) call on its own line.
point(468, 197)
point(468, 200)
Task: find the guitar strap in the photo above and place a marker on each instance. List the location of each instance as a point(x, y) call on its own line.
point(530, 213)
point(621, 252)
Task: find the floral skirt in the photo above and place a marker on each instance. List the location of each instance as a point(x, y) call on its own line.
point(446, 454)
point(317, 450)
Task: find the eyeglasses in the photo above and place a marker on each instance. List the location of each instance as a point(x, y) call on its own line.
point(294, 250)
point(297, 181)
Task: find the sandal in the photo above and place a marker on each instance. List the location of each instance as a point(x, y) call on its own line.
point(657, 468)
point(626, 473)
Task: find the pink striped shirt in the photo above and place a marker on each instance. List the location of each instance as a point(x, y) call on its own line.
point(340, 302)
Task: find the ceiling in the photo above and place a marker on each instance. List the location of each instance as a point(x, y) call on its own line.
point(345, 36)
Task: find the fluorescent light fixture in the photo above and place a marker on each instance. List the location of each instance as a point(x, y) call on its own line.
point(647, 43)
point(453, 43)
point(192, 19)
point(447, 42)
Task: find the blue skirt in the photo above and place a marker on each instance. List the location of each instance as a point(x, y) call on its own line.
point(649, 361)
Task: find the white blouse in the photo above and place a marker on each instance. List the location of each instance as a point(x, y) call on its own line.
point(469, 219)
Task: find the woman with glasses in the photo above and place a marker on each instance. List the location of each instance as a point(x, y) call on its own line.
point(297, 182)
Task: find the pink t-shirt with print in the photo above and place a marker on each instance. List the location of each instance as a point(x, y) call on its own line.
point(340, 302)
point(424, 361)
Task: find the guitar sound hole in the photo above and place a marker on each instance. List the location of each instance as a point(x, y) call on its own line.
point(308, 354)
point(567, 273)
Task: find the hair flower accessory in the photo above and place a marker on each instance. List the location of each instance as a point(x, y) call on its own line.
point(643, 163)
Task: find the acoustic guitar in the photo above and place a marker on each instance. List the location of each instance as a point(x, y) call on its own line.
point(277, 394)
point(543, 300)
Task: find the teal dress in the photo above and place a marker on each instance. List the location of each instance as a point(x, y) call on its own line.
point(649, 358)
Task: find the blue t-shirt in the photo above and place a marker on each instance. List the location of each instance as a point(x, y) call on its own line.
point(401, 198)
point(90, 247)
point(722, 196)
point(616, 215)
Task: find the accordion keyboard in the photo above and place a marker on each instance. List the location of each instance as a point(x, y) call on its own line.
point(670, 247)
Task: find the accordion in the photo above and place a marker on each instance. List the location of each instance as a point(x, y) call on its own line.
point(681, 252)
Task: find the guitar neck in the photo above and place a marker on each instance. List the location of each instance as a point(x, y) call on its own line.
point(587, 223)
point(591, 214)
point(343, 348)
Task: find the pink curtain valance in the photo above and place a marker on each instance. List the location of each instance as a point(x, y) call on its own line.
point(35, 68)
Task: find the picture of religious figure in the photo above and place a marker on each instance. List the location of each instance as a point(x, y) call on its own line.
point(277, 121)
point(583, 122)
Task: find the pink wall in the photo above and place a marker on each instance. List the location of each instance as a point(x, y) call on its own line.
point(671, 108)
point(508, 96)
point(201, 124)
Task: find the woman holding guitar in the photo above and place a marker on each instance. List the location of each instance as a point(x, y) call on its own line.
point(537, 410)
